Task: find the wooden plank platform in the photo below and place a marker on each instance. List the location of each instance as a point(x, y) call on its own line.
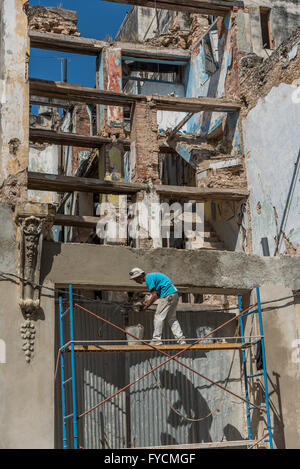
point(168, 347)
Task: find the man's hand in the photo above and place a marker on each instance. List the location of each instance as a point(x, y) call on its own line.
point(147, 303)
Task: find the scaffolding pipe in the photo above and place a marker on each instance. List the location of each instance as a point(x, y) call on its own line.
point(62, 365)
point(75, 429)
point(245, 371)
point(264, 368)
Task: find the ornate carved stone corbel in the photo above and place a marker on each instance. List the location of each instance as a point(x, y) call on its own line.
point(34, 221)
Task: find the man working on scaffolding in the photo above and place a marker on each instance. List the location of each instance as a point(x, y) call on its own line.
point(163, 290)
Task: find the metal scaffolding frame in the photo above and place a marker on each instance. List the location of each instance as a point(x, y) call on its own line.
point(69, 348)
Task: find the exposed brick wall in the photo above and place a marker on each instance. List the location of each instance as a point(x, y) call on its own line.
point(144, 140)
point(83, 127)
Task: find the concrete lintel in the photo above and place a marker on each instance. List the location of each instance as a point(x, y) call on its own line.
point(107, 267)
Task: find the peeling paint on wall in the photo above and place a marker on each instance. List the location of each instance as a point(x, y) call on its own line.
point(114, 83)
point(15, 101)
point(273, 149)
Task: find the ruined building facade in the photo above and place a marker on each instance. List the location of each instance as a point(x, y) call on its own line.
point(189, 107)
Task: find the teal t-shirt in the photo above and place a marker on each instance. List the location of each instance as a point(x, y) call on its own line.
point(161, 283)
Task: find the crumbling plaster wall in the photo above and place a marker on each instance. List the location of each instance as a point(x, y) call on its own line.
point(14, 92)
point(141, 23)
point(43, 159)
point(272, 150)
point(272, 147)
point(206, 76)
point(284, 19)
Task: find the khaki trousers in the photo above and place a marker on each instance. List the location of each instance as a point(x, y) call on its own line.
point(167, 308)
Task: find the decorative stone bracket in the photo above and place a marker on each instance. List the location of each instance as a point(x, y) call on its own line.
point(34, 222)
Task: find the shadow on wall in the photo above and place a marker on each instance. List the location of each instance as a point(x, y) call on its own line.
point(50, 249)
point(190, 403)
point(275, 411)
point(227, 219)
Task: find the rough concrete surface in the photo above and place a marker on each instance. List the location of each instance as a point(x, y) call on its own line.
point(26, 390)
point(222, 271)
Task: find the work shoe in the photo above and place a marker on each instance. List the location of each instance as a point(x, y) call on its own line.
point(156, 342)
point(181, 342)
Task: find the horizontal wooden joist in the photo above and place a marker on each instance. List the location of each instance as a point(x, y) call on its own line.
point(82, 94)
point(81, 221)
point(52, 182)
point(75, 140)
point(192, 105)
point(63, 43)
point(55, 183)
point(87, 46)
point(72, 140)
point(49, 102)
point(200, 194)
point(205, 7)
point(146, 348)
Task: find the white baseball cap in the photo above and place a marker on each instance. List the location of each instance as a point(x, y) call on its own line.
point(135, 272)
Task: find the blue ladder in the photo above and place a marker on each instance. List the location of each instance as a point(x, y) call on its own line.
point(71, 379)
point(263, 373)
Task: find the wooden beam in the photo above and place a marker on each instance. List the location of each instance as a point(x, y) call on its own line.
point(146, 348)
point(87, 46)
point(76, 220)
point(63, 43)
point(205, 7)
point(200, 194)
point(78, 93)
point(53, 182)
point(70, 139)
point(193, 105)
point(51, 102)
point(76, 140)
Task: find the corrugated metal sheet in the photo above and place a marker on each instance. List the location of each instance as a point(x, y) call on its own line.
point(153, 421)
point(143, 416)
point(97, 376)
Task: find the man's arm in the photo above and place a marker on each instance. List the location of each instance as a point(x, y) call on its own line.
point(147, 303)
